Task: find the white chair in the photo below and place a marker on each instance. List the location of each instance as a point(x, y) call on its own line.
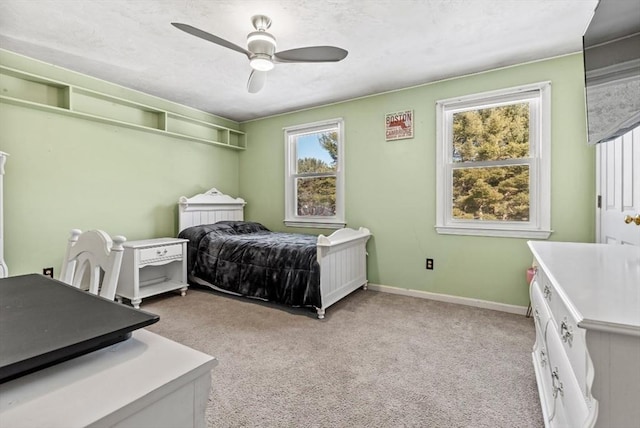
point(102, 256)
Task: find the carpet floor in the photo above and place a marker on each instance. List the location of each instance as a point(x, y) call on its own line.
point(376, 360)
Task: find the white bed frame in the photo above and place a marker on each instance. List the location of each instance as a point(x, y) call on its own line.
point(342, 256)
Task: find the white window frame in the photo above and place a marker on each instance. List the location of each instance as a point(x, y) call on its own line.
point(291, 216)
point(539, 225)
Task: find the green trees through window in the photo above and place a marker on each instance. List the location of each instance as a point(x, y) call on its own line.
point(485, 142)
point(317, 163)
point(493, 164)
point(314, 174)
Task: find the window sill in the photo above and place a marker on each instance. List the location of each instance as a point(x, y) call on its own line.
point(494, 232)
point(318, 224)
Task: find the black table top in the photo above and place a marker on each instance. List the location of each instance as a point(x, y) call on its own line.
point(44, 321)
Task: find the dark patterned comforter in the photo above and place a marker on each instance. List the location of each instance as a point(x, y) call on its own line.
point(248, 259)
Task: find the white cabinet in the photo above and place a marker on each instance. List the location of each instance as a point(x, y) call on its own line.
point(144, 381)
point(3, 266)
point(151, 267)
point(585, 301)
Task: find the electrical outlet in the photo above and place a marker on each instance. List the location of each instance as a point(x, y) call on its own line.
point(430, 264)
point(47, 272)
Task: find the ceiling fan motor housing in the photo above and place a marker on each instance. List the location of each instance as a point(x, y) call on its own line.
point(261, 42)
point(262, 45)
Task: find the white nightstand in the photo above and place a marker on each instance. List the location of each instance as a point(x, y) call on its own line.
point(151, 267)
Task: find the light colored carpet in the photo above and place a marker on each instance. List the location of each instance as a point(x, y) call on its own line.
point(377, 360)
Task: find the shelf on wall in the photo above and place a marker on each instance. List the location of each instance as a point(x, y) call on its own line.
point(119, 110)
point(29, 90)
point(33, 89)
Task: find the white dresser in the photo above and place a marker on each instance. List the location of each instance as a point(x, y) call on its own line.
point(144, 381)
point(3, 266)
point(586, 305)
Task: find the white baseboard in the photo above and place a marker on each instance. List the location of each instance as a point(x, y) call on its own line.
point(503, 307)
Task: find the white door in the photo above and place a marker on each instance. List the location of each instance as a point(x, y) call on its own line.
point(618, 171)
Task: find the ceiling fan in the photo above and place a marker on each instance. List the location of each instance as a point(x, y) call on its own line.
point(261, 50)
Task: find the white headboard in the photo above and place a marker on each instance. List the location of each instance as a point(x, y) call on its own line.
point(208, 208)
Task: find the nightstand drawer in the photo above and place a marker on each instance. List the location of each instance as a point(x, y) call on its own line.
point(159, 254)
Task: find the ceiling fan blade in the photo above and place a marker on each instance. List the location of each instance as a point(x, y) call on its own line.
point(211, 38)
point(311, 54)
point(256, 81)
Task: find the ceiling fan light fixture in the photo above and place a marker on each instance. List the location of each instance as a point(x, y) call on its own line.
point(261, 62)
point(263, 46)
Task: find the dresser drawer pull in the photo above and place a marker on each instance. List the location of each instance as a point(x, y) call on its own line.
point(566, 332)
point(161, 252)
point(556, 384)
point(543, 358)
point(547, 292)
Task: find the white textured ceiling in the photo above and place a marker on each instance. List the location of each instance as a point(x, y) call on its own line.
point(392, 44)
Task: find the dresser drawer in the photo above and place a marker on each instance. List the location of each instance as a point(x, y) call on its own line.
point(540, 356)
point(160, 253)
point(571, 409)
point(539, 308)
point(547, 290)
point(572, 339)
point(541, 316)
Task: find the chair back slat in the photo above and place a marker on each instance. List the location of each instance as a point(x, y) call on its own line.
point(96, 255)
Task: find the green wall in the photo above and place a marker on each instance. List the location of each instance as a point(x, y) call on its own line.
point(390, 186)
point(65, 172)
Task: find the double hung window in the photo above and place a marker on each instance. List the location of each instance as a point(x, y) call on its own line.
point(314, 182)
point(493, 168)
